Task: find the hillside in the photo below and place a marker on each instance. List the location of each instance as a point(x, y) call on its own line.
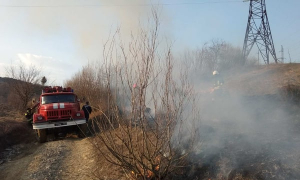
point(6, 94)
point(264, 79)
point(4, 89)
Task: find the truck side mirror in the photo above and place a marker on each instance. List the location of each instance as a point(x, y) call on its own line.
point(78, 100)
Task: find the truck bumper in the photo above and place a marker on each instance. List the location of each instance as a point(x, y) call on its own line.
point(47, 125)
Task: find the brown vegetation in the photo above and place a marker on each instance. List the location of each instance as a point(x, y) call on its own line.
point(14, 129)
point(264, 79)
point(89, 85)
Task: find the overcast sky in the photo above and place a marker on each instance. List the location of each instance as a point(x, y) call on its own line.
point(63, 35)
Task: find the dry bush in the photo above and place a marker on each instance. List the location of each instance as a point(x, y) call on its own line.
point(89, 86)
point(149, 128)
point(23, 84)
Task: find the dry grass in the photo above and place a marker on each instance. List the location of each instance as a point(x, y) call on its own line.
point(14, 129)
point(264, 79)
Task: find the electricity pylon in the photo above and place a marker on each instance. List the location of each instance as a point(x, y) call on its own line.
point(259, 32)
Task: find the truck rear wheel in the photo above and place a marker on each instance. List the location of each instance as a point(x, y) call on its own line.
point(41, 135)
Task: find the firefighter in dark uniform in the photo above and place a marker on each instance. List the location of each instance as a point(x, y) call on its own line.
point(29, 115)
point(87, 110)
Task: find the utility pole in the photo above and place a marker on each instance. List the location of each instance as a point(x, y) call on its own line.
point(259, 32)
point(290, 56)
point(282, 54)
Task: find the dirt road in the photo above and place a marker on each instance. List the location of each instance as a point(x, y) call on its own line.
point(70, 158)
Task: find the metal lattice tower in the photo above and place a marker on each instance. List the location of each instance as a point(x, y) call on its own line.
point(258, 32)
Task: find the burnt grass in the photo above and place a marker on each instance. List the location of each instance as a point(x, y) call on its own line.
point(13, 130)
point(263, 152)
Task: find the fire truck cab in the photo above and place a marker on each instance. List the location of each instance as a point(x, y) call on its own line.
point(58, 108)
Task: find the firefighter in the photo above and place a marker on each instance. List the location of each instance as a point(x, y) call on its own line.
point(218, 80)
point(217, 90)
point(29, 115)
point(29, 112)
point(87, 111)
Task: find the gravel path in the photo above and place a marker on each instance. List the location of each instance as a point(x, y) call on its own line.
point(71, 158)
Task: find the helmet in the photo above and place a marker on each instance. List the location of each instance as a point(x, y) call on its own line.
point(215, 72)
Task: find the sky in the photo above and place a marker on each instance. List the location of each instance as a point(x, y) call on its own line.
point(62, 36)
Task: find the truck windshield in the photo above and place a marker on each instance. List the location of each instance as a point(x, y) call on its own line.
point(58, 98)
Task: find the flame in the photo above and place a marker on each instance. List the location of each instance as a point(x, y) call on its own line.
point(148, 174)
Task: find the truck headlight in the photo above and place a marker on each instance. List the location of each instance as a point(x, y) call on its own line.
point(39, 117)
point(78, 114)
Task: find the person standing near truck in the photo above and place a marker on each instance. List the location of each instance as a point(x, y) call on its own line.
point(29, 115)
point(87, 111)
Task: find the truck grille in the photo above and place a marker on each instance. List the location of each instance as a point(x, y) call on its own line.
point(52, 113)
point(59, 114)
point(65, 113)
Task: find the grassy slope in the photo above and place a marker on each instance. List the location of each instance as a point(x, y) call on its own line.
point(264, 79)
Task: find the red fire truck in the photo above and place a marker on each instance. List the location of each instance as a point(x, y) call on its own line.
point(58, 109)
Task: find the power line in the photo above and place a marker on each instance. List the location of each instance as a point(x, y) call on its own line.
point(119, 5)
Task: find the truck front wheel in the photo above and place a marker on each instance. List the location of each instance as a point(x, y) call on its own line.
point(41, 135)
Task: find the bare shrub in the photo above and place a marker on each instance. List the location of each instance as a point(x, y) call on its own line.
point(150, 124)
point(89, 85)
point(216, 55)
point(23, 86)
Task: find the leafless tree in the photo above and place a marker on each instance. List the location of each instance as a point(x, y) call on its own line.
point(89, 85)
point(22, 87)
point(149, 128)
point(215, 55)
